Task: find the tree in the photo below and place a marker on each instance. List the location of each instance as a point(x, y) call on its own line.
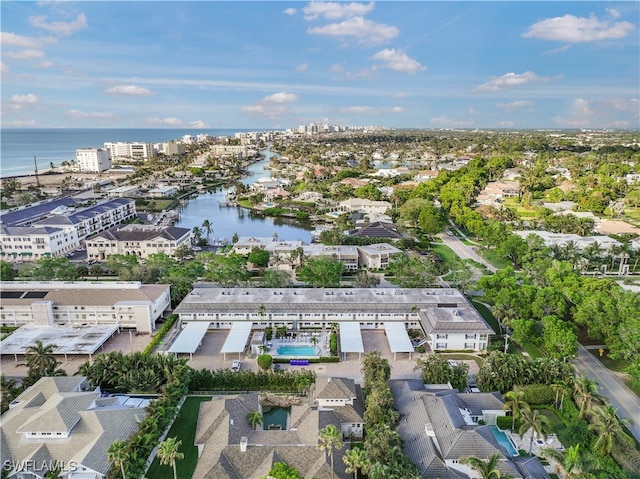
point(207, 228)
point(585, 393)
point(41, 361)
point(255, 418)
point(182, 251)
point(321, 272)
point(537, 423)
point(365, 279)
point(513, 248)
point(275, 278)
point(168, 454)
point(355, 459)
point(488, 469)
point(570, 463)
point(7, 273)
point(265, 361)
point(51, 269)
point(118, 453)
point(435, 369)
point(610, 432)
point(259, 257)
point(413, 272)
point(462, 274)
point(9, 390)
point(330, 438)
point(280, 470)
point(10, 186)
point(558, 338)
point(228, 271)
point(515, 402)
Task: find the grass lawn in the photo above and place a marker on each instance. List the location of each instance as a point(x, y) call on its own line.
point(487, 315)
point(444, 252)
point(462, 357)
point(184, 428)
point(492, 257)
point(558, 426)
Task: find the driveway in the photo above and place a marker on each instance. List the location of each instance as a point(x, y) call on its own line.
point(612, 387)
point(464, 251)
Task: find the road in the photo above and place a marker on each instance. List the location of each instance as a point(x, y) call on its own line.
point(612, 387)
point(464, 251)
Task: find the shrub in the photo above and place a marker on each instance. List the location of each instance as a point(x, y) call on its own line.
point(505, 422)
point(333, 344)
point(265, 361)
point(535, 394)
point(570, 410)
point(160, 334)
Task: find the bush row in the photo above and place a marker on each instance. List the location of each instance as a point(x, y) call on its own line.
point(160, 334)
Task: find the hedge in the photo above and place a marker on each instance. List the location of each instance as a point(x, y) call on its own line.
point(160, 334)
point(538, 394)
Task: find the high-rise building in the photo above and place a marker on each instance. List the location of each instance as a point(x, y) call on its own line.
point(93, 160)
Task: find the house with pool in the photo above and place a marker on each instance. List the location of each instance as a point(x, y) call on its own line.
point(447, 320)
point(438, 428)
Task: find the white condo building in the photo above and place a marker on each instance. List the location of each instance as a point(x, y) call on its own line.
point(93, 160)
point(130, 151)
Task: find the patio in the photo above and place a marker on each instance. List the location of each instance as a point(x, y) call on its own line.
point(538, 442)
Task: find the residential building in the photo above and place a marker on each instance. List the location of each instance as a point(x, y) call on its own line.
point(174, 147)
point(364, 206)
point(495, 192)
point(26, 243)
point(438, 429)
point(163, 191)
point(376, 256)
point(448, 320)
point(63, 421)
point(377, 229)
point(348, 255)
point(47, 303)
point(126, 191)
point(344, 397)
point(230, 448)
point(92, 160)
point(550, 239)
point(130, 151)
point(137, 240)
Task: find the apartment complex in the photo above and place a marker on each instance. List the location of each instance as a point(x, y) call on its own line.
point(130, 151)
point(92, 160)
point(77, 303)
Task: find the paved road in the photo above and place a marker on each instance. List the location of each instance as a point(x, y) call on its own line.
point(464, 251)
point(611, 386)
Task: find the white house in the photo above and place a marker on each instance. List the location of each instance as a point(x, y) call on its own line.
point(353, 205)
point(25, 243)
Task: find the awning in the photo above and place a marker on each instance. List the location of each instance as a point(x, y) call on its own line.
point(190, 338)
point(26, 253)
point(237, 339)
point(351, 338)
point(398, 338)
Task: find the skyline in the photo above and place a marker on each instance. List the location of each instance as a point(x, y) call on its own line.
point(276, 65)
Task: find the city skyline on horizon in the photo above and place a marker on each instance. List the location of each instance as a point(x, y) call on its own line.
point(222, 65)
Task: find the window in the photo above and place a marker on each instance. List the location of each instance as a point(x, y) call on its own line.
point(469, 345)
point(442, 336)
point(441, 345)
point(469, 336)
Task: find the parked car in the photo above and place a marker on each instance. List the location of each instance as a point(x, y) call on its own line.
point(277, 367)
point(452, 363)
point(236, 365)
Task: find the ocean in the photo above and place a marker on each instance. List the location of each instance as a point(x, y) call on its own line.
point(18, 146)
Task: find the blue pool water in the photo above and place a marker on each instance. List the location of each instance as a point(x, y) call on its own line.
point(503, 440)
point(297, 351)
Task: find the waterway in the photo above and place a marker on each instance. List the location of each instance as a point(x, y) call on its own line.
point(227, 221)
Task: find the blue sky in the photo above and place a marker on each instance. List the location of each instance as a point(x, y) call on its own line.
point(267, 64)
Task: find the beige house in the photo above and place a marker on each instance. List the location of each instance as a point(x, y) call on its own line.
point(74, 303)
point(137, 240)
point(63, 421)
point(377, 256)
point(344, 397)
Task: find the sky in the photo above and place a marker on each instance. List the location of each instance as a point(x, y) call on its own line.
point(277, 65)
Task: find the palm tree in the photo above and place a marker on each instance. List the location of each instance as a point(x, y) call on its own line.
point(118, 454)
point(516, 404)
point(585, 394)
point(168, 454)
point(40, 360)
point(254, 418)
point(488, 469)
point(330, 438)
point(570, 463)
point(609, 429)
point(539, 425)
point(207, 227)
point(355, 459)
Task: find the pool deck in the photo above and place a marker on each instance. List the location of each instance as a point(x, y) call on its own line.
point(538, 444)
point(300, 339)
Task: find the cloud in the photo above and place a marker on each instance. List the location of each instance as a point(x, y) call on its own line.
point(449, 122)
point(335, 11)
point(336, 68)
point(510, 80)
point(370, 110)
point(45, 64)
point(622, 104)
point(91, 114)
point(400, 94)
point(281, 97)
point(572, 29)
point(514, 105)
point(302, 67)
point(28, 99)
point(580, 115)
point(366, 32)
point(169, 121)
point(472, 111)
point(130, 90)
point(399, 61)
point(506, 124)
point(59, 28)
point(4, 69)
point(613, 12)
point(7, 38)
point(199, 124)
point(25, 54)
point(290, 11)
point(271, 106)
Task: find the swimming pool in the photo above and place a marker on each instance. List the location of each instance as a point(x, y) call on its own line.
point(503, 440)
point(297, 351)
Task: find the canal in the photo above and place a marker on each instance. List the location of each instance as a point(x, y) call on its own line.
point(227, 221)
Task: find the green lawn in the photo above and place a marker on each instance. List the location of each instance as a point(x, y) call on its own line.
point(444, 252)
point(487, 315)
point(184, 428)
point(558, 426)
point(492, 257)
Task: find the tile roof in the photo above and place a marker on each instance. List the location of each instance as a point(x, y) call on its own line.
point(142, 233)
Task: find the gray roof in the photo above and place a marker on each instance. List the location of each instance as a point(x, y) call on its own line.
point(335, 388)
point(142, 233)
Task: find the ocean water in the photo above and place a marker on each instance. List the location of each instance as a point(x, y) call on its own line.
point(18, 146)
